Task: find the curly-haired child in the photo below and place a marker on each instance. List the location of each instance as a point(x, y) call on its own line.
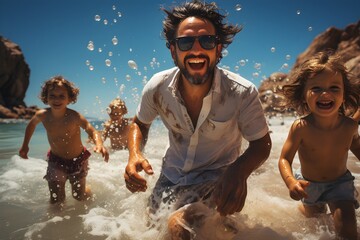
point(67, 157)
point(323, 94)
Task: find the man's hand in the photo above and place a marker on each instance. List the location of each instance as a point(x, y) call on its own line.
point(134, 182)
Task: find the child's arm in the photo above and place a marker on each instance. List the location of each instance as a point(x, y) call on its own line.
point(90, 130)
point(291, 145)
point(30, 128)
point(355, 145)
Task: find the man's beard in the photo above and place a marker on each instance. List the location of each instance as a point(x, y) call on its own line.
point(197, 79)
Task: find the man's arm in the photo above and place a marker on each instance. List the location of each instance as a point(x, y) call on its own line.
point(231, 190)
point(137, 138)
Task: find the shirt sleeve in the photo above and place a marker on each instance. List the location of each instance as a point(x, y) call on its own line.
point(146, 111)
point(252, 120)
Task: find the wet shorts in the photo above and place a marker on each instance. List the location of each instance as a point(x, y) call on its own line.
point(323, 192)
point(169, 196)
point(60, 169)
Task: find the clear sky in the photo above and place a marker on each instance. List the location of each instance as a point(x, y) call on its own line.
point(54, 36)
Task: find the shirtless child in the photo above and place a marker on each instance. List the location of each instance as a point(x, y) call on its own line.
point(67, 157)
point(117, 127)
point(322, 92)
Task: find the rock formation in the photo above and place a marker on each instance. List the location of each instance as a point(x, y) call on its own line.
point(14, 81)
point(346, 42)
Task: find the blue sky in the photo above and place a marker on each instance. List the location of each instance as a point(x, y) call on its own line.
point(54, 36)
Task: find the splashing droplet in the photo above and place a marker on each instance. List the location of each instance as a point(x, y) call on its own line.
point(242, 62)
point(108, 62)
point(272, 49)
point(225, 52)
point(91, 67)
point(97, 18)
point(87, 62)
point(238, 7)
point(132, 64)
point(310, 29)
point(114, 40)
point(90, 46)
point(298, 12)
point(287, 57)
point(128, 77)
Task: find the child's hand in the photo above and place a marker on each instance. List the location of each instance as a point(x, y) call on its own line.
point(23, 152)
point(297, 189)
point(101, 149)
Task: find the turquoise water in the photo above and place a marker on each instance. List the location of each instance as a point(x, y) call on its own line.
point(115, 213)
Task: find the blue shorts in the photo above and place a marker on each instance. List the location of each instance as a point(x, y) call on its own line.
point(320, 193)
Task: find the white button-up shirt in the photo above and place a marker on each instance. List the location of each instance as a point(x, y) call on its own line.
point(230, 111)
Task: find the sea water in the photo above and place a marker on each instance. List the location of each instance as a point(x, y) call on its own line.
point(116, 213)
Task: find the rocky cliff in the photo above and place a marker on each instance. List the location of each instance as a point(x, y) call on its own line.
point(14, 81)
point(344, 41)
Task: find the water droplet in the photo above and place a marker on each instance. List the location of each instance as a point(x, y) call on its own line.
point(255, 74)
point(285, 65)
point(114, 40)
point(257, 66)
point(272, 49)
point(298, 12)
point(97, 18)
point(119, 14)
point(242, 62)
point(128, 77)
point(90, 46)
point(100, 49)
point(87, 62)
point(287, 57)
point(132, 64)
point(91, 67)
point(110, 54)
point(103, 80)
point(225, 52)
point(309, 29)
point(238, 7)
point(114, 7)
point(105, 22)
point(108, 62)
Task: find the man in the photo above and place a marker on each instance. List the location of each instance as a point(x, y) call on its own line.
point(207, 111)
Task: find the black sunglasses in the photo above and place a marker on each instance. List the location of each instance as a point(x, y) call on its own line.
point(207, 42)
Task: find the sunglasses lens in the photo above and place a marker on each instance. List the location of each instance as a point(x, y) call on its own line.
point(185, 43)
point(207, 42)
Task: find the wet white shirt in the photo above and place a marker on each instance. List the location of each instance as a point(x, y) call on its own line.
point(230, 111)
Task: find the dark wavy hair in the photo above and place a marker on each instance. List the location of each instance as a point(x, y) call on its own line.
point(294, 91)
point(196, 8)
point(58, 81)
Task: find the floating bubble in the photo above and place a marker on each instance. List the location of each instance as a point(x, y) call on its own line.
point(91, 67)
point(108, 62)
point(105, 21)
point(298, 12)
point(90, 46)
point(100, 49)
point(272, 49)
point(236, 68)
point(287, 57)
point(114, 7)
point(130, 49)
point(132, 64)
point(110, 54)
point(115, 20)
point(128, 77)
point(119, 14)
point(238, 7)
point(103, 80)
point(255, 74)
point(87, 62)
point(114, 40)
point(309, 29)
point(242, 62)
point(97, 18)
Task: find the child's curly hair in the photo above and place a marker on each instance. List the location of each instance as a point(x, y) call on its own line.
point(58, 81)
point(294, 92)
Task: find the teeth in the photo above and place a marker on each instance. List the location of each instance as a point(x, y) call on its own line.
point(196, 61)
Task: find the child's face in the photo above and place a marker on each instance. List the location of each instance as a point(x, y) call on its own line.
point(116, 112)
point(324, 93)
point(58, 97)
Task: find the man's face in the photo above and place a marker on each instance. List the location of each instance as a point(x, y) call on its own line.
point(196, 63)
